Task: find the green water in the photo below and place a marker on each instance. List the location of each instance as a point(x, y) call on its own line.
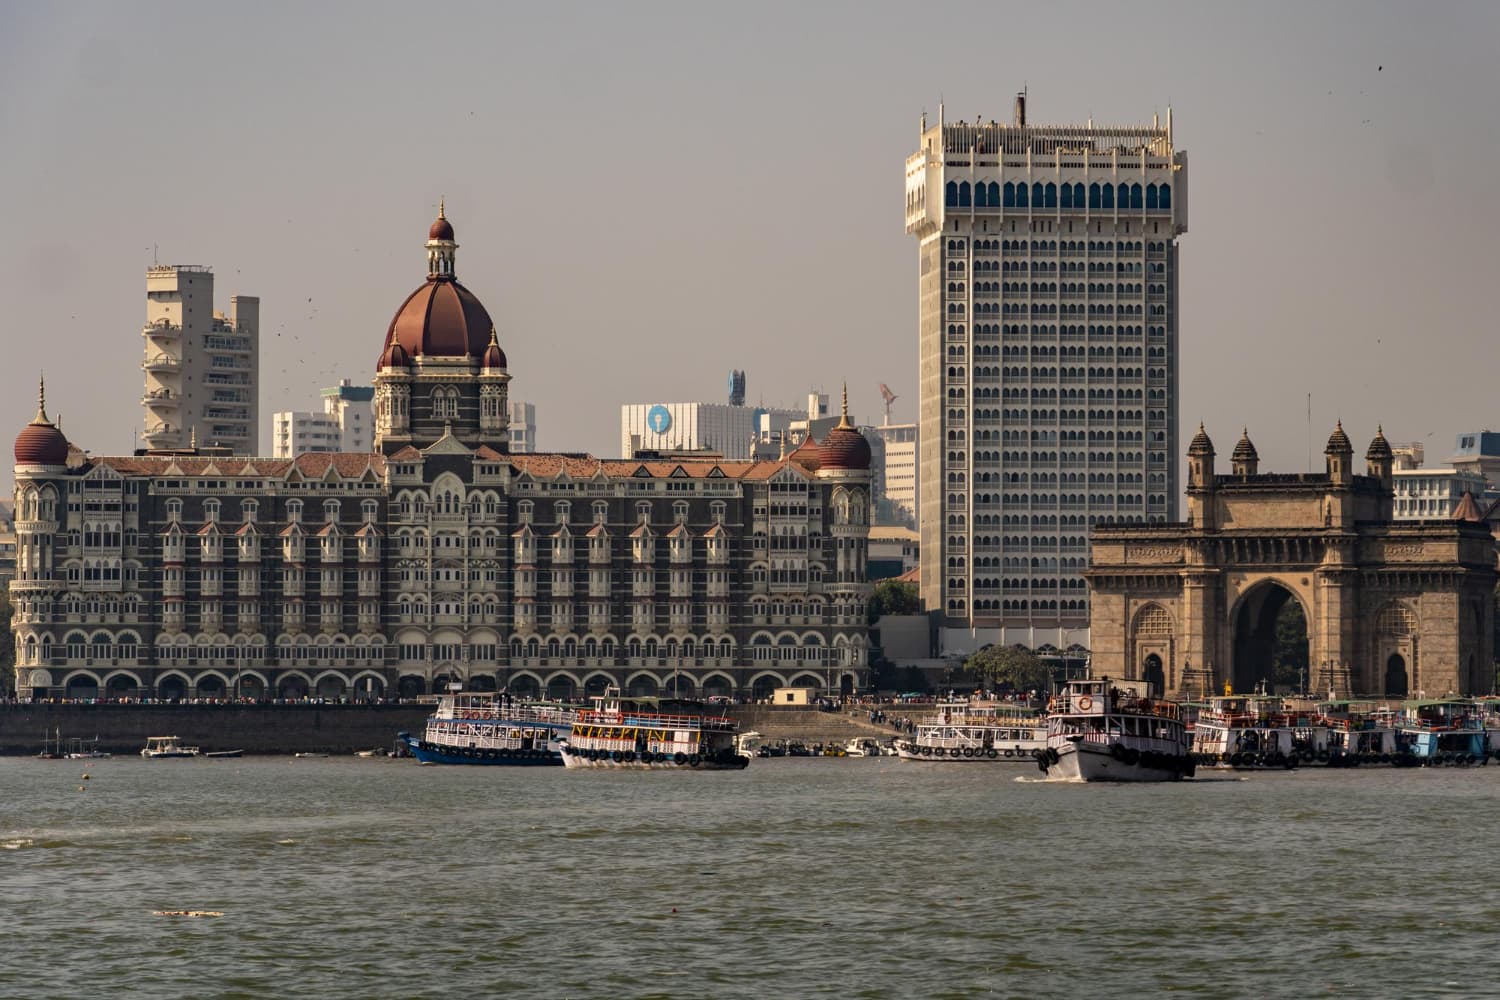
point(875, 878)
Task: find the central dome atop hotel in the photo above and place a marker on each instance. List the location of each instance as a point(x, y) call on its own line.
point(441, 318)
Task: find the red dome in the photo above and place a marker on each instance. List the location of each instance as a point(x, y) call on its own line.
point(493, 356)
point(394, 356)
point(40, 443)
point(442, 229)
point(845, 449)
point(442, 318)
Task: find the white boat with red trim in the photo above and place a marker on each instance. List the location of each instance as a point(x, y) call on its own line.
point(1101, 730)
point(652, 733)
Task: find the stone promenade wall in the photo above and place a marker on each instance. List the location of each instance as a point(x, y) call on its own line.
point(122, 729)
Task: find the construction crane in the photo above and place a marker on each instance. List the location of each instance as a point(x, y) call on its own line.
point(889, 397)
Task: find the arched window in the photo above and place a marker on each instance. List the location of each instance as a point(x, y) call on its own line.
point(1135, 196)
point(1108, 191)
point(950, 194)
point(981, 195)
point(1051, 193)
point(1094, 196)
point(1165, 198)
point(1022, 194)
point(1150, 196)
point(994, 194)
point(963, 194)
point(1010, 195)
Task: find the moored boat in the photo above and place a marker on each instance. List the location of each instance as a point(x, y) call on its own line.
point(1444, 731)
point(1099, 731)
point(976, 732)
point(652, 733)
point(164, 747)
point(491, 727)
point(1257, 732)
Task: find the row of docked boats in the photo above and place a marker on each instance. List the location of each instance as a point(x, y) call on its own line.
point(616, 732)
point(1267, 732)
point(1093, 730)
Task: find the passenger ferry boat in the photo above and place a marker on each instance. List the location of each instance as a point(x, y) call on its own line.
point(490, 727)
point(1096, 731)
point(651, 733)
point(971, 732)
point(1258, 732)
point(1444, 731)
point(162, 747)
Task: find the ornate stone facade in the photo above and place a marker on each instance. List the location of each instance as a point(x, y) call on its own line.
point(1392, 608)
point(440, 556)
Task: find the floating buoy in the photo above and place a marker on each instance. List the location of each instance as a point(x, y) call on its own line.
point(85, 776)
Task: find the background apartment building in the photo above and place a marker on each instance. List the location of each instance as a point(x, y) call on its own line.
point(346, 424)
point(1048, 361)
point(200, 364)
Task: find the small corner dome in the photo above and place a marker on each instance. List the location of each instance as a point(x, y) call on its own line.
point(808, 454)
point(1380, 448)
point(1201, 445)
point(1244, 450)
point(1338, 442)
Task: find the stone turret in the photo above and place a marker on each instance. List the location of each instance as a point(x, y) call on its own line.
point(1200, 489)
point(1245, 460)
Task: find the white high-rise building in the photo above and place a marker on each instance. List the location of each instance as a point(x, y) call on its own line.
point(895, 447)
point(200, 365)
point(345, 425)
point(1048, 350)
point(522, 427)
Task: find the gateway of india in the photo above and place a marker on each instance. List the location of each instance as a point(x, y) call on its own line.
point(439, 557)
point(1393, 608)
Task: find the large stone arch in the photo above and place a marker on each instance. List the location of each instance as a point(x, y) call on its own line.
point(1252, 630)
point(1153, 652)
point(1395, 639)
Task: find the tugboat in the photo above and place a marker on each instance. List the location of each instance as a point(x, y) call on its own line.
point(489, 727)
point(967, 732)
point(1098, 732)
point(651, 733)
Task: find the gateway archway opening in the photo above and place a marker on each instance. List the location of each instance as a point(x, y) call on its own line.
point(1270, 641)
point(1153, 674)
point(1396, 685)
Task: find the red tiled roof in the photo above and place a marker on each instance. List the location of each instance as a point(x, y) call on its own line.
point(349, 465)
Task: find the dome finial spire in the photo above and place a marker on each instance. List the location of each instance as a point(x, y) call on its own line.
point(41, 399)
point(441, 206)
point(844, 408)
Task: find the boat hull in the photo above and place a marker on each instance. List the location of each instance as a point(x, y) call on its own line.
point(601, 760)
point(1079, 761)
point(432, 753)
point(956, 755)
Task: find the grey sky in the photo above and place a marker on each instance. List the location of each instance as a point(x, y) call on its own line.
point(649, 195)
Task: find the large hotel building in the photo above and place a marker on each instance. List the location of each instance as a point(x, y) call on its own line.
point(1048, 350)
point(441, 556)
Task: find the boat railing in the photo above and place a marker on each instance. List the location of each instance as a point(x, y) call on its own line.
point(515, 712)
point(650, 720)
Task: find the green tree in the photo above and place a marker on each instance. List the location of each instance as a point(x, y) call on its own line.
point(894, 597)
point(1289, 657)
point(1009, 666)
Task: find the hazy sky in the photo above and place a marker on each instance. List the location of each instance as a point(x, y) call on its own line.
point(648, 195)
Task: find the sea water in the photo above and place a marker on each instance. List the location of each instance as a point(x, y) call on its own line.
point(874, 878)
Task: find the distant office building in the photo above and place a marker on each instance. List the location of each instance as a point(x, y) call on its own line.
point(893, 550)
point(345, 425)
point(1432, 494)
point(1479, 452)
point(1047, 313)
point(715, 427)
point(895, 448)
point(200, 364)
point(522, 427)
